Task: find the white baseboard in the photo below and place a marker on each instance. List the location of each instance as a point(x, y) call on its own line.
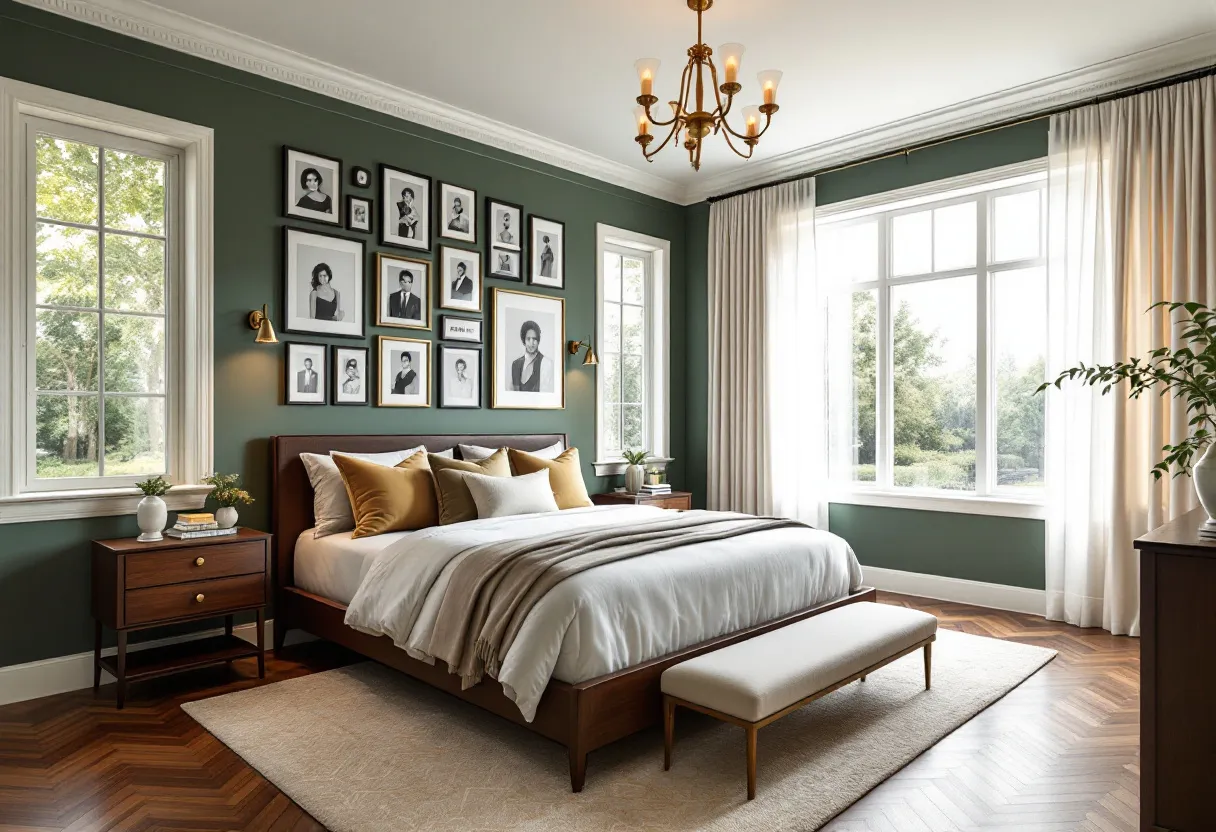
point(995, 596)
point(61, 674)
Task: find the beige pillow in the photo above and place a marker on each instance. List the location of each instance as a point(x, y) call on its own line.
point(565, 475)
point(508, 496)
point(401, 498)
point(455, 502)
point(476, 452)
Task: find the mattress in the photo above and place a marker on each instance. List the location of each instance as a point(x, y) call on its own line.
point(333, 566)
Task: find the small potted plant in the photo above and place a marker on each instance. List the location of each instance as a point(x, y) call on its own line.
point(151, 514)
point(228, 493)
point(635, 474)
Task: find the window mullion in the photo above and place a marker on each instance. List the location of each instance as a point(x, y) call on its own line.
point(884, 395)
point(101, 311)
point(984, 421)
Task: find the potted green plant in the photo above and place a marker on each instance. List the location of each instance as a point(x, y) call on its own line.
point(635, 474)
point(1187, 373)
point(152, 514)
point(228, 493)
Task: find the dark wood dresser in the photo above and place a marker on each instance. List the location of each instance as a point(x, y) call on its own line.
point(678, 500)
point(1178, 678)
point(141, 585)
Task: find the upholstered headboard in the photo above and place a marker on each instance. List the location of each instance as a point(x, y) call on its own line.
point(291, 492)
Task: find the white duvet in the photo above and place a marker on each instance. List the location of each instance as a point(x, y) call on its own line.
point(613, 616)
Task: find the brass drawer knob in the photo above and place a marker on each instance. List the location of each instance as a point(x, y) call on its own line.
point(199, 597)
point(199, 561)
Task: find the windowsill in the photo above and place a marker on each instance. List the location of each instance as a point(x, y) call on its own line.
point(93, 502)
point(615, 467)
point(1002, 505)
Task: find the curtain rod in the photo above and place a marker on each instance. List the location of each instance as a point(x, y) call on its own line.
point(1127, 92)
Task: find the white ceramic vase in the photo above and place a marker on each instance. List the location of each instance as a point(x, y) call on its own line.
point(1203, 473)
point(151, 514)
point(635, 475)
point(225, 517)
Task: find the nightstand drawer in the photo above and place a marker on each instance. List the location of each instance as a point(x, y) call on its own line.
point(160, 603)
point(682, 503)
point(196, 563)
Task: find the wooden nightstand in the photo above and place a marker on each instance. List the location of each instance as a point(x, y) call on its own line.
point(141, 585)
point(678, 500)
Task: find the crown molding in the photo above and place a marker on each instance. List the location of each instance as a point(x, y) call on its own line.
point(163, 27)
point(1068, 88)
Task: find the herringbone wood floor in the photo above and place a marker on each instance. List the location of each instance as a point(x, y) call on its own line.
point(1059, 753)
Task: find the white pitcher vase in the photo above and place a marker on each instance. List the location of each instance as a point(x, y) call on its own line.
point(1203, 474)
point(151, 515)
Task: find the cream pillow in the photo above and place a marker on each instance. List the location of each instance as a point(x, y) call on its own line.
point(506, 496)
point(473, 453)
point(565, 475)
point(401, 498)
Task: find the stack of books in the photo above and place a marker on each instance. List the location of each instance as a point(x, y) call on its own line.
point(659, 488)
point(191, 526)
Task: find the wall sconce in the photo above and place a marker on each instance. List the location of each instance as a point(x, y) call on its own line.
point(260, 320)
point(589, 359)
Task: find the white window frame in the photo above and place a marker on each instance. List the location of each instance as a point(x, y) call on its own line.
point(189, 307)
point(988, 498)
point(657, 381)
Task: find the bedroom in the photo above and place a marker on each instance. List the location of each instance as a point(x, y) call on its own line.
point(231, 95)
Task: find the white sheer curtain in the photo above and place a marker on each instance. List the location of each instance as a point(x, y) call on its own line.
point(766, 369)
point(1132, 190)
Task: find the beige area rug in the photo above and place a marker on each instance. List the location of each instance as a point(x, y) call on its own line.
point(365, 748)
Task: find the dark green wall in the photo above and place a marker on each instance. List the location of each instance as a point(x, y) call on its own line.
point(995, 549)
point(44, 571)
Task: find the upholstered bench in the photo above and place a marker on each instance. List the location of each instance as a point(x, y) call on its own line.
point(758, 681)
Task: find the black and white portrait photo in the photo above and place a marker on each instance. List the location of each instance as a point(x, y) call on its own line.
point(459, 376)
point(304, 373)
point(403, 292)
point(529, 336)
point(547, 239)
point(505, 224)
point(312, 185)
point(405, 372)
point(405, 208)
point(505, 265)
point(358, 213)
point(350, 377)
point(454, 328)
point(461, 278)
point(457, 213)
point(322, 284)
point(360, 177)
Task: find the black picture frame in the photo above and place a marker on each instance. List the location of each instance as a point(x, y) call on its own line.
point(387, 201)
point(534, 279)
point(351, 199)
point(322, 382)
point(360, 177)
point(443, 329)
point(443, 350)
point(456, 237)
point(520, 230)
point(334, 352)
point(290, 210)
point(359, 304)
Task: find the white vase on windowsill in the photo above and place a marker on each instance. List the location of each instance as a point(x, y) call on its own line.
point(226, 517)
point(151, 515)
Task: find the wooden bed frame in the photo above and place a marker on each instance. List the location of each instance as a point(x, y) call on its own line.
point(582, 717)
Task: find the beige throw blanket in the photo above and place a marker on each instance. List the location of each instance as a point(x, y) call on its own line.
point(494, 587)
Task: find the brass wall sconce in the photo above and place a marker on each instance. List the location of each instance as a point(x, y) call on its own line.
point(260, 320)
point(589, 359)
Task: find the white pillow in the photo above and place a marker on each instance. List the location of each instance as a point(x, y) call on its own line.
point(476, 453)
point(330, 504)
point(505, 496)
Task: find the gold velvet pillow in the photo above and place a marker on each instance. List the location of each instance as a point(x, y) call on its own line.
point(565, 475)
point(386, 499)
point(455, 502)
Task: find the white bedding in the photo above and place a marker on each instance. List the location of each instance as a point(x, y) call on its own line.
point(599, 621)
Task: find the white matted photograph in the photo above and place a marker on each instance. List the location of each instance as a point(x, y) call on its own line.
point(322, 284)
point(403, 291)
point(405, 208)
point(505, 224)
point(455, 328)
point(457, 213)
point(529, 339)
point(304, 380)
point(459, 376)
point(547, 239)
point(461, 278)
point(312, 186)
point(506, 265)
point(350, 375)
point(405, 372)
point(358, 213)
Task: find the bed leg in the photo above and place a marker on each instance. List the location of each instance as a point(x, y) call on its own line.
point(578, 769)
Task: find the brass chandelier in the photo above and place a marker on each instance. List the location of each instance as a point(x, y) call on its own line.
point(689, 113)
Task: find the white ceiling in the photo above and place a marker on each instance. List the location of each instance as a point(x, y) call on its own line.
point(563, 69)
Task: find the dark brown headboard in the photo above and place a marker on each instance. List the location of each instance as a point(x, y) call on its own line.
point(291, 492)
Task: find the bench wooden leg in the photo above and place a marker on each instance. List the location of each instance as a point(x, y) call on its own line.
point(669, 730)
point(751, 761)
point(928, 665)
point(862, 679)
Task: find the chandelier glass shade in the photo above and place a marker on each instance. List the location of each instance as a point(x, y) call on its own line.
point(692, 115)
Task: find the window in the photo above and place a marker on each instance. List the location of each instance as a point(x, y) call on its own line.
point(110, 342)
point(936, 341)
point(632, 347)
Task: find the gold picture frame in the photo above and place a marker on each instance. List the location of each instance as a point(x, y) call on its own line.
point(386, 375)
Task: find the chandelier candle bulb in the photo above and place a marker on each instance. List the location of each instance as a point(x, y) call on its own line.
point(751, 118)
point(647, 69)
point(639, 114)
point(732, 59)
point(769, 79)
